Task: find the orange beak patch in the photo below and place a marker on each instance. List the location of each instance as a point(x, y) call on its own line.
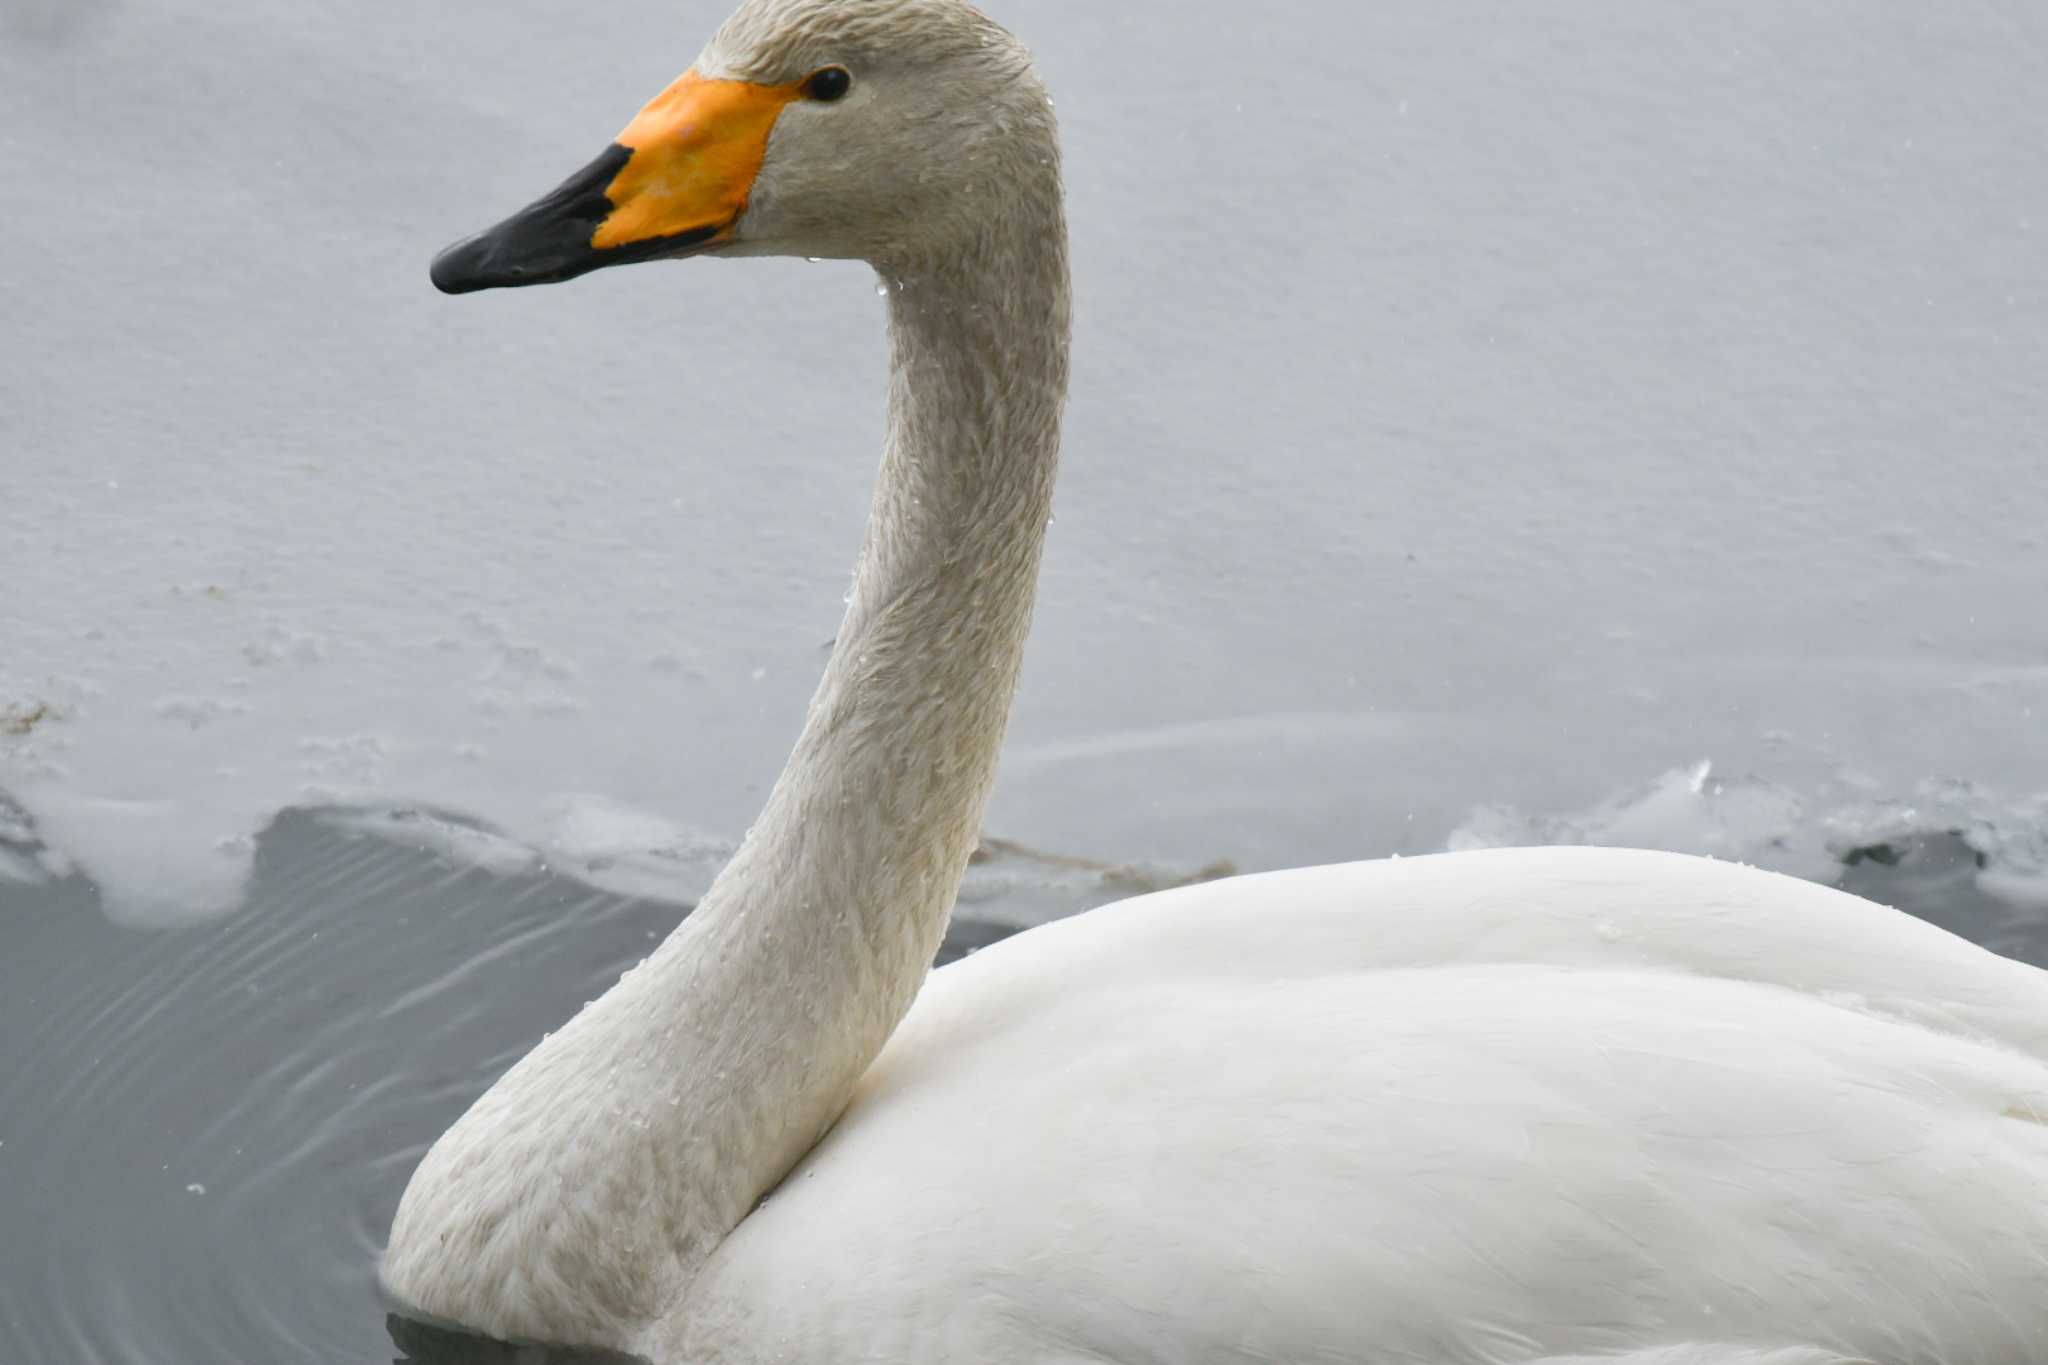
point(696, 149)
point(675, 182)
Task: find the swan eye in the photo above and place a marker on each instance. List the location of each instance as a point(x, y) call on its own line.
point(828, 85)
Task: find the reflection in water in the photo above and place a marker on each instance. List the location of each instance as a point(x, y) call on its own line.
point(426, 1344)
point(207, 1129)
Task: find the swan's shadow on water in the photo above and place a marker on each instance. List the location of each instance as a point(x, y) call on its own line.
point(424, 1343)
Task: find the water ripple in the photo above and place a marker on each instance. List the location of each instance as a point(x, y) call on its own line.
point(205, 1130)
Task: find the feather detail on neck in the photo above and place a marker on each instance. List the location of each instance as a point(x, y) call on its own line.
point(576, 1200)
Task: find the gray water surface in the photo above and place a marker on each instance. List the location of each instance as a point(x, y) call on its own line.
point(204, 1132)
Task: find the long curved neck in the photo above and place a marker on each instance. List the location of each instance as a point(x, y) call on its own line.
point(829, 915)
point(867, 833)
point(826, 921)
point(652, 1123)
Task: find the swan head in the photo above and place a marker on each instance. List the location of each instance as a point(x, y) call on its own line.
point(881, 130)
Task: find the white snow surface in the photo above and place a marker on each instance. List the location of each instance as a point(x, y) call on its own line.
point(1480, 410)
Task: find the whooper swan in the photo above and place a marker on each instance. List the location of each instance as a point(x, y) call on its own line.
point(1506, 1107)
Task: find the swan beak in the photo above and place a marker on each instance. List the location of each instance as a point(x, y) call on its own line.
point(674, 184)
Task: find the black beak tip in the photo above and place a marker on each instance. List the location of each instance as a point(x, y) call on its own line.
point(545, 242)
point(459, 269)
point(552, 239)
point(520, 251)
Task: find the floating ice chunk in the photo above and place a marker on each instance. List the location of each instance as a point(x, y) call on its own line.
point(1015, 887)
point(1996, 843)
point(155, 862)
point(447, 836)
point(632, 851)
point(20, 868)
point(1686, 810)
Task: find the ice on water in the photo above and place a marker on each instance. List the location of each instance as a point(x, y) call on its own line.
point(1583, 405)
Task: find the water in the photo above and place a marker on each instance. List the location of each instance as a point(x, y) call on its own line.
point(1618, 425)
point(204, 1131)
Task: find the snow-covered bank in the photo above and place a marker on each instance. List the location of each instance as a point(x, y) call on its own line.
point(1477, 410)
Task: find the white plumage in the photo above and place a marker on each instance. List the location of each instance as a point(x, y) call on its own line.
point(1530, 1107)
point(1502, 1106)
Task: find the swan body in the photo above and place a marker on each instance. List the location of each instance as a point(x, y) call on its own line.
point(1484, 1109)
point(1500, 1106)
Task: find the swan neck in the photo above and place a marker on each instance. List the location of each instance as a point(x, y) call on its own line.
point(880, 805)
point(826, 922)
point(655, 1121)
